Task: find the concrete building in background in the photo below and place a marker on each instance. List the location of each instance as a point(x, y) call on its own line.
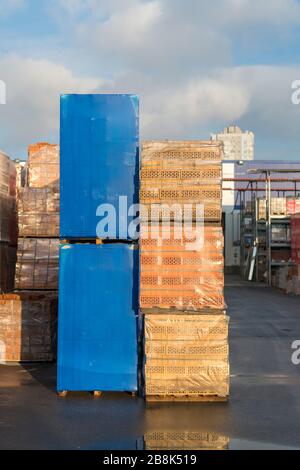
point(238, 145)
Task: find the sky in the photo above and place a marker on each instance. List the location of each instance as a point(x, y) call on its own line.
point(197, 65)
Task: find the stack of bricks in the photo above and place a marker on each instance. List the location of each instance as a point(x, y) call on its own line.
point(38, 212)
point(293, 206)
point(293, 284)
point(28, 323)
point(182, 273)
point(38, 221)
point(173, 173)
point(43, 165)
point(8, 236)
point(29, 314)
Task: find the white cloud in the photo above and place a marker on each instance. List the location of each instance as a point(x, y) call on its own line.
point(200, 103)
point(172, 38)
point(7, 7)
point(33, 89)
point(154, 37)
point(256, 97)
point(124, 28)
point(271, 111)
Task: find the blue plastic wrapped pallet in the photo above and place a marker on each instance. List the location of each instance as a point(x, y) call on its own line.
point(98, 307)
point(99, 162)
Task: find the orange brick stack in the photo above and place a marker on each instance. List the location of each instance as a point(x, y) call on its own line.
point(182, 274)
point(174, 275)
point(27, 327)
point(29, 315)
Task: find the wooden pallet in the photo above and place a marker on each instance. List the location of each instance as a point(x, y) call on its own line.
point(94, 241)
point(202, 312)
point(39, 290)
point(208, 221)
point(64, 393)
point(95, 393)
point(42, 237)
point(185, 398)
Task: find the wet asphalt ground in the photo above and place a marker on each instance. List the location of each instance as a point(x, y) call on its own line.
point(263, 411)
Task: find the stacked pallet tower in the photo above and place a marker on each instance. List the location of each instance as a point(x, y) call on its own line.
point(182, 275)
point(38, 221)
point(30, 312)
point(294, 274)
point(7, 222)
point(98, 281)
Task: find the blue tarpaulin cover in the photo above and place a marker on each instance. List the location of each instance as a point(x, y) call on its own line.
point(98, 304)
point(99, 159)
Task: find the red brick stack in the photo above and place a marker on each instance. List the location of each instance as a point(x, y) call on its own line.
point(182, 274)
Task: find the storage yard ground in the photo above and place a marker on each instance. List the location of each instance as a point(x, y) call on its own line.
point(264, 407)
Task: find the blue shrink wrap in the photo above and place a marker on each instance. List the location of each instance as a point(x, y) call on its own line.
point(98, 307)
point(99, 163)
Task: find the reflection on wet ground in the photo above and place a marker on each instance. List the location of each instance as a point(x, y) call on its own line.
point(184, 440)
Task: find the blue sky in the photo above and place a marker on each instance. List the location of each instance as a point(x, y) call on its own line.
point(197, 65)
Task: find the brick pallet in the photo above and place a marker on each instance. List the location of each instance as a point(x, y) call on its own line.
point(7, 267)
point(293, 283)
point(176, 272)
point(28, 324)
point(37, 264)
point(212, 211)
point(8, 219)
point(182, 275)
point(280, 206)
point(182, 172)
point(186, 355)
point(38, 212)
point(43, 165)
